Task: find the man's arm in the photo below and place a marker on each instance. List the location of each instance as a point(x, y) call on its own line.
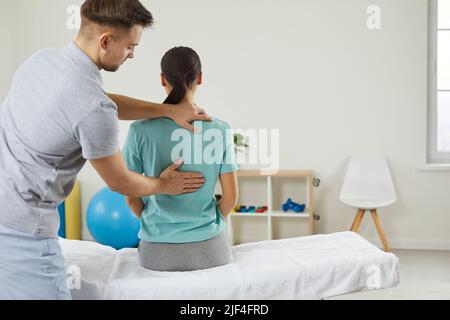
point(119, 179)
point(183, 114)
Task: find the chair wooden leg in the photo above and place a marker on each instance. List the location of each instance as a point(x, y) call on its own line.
point(380, 231)
point(354, 221)
point(357, 222)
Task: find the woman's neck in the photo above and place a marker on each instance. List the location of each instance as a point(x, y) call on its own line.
point(189, 97)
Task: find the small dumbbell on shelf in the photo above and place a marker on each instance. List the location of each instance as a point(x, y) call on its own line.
point(240, 209)
point(250, 209)
point(291, 205)
point(262, 209)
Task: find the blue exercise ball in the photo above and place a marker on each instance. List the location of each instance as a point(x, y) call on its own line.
point(111, 222)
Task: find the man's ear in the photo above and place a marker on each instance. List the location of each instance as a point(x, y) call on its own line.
point(200, 78)
point(163, 80)
point(105, 40)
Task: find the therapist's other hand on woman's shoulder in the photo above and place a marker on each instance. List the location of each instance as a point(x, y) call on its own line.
point(185, 113)
point(175, 182)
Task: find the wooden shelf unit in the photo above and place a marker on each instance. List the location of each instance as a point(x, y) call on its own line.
point(306, 179)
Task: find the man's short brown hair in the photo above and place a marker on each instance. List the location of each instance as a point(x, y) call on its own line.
point(116, 13)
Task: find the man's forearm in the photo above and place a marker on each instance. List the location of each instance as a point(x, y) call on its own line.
point(118, 178)
point(134, 109)
point(136, 185)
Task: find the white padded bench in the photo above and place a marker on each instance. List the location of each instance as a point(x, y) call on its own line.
point(312, 267)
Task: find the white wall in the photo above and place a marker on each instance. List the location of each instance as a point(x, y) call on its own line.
point(6, 48)
point(310, 68)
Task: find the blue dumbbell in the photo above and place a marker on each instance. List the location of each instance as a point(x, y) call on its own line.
point(291, 205)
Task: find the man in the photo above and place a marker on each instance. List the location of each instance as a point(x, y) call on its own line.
point(55, 117)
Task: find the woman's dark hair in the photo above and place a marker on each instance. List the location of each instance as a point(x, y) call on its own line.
point(181, 66)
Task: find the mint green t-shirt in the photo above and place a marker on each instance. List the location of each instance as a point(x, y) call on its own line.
point(154, 145)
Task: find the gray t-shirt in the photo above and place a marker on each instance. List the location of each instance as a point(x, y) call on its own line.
point(55, 117)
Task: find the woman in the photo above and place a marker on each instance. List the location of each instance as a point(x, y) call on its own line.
point(186, 232)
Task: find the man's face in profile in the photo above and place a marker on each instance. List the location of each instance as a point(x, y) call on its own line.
point(121, 48)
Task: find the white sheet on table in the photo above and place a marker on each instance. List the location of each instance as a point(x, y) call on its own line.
point(312, 267)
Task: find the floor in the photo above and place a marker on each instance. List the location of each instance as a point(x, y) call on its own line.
point(424, 275)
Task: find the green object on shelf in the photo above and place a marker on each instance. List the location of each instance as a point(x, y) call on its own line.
point(239, 141)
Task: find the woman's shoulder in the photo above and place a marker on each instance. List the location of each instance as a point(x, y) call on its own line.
point(221, 122)
point(165, 125)
point(151, 124)
point(217, 124)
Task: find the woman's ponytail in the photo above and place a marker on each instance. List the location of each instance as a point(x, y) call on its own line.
point(178, 92)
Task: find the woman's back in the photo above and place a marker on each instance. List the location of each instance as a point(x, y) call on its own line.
point(152, 146)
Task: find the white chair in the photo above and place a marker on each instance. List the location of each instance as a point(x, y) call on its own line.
point(368, 186)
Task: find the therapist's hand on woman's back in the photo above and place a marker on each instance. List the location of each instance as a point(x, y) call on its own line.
point(176, 182)
point(121, 180)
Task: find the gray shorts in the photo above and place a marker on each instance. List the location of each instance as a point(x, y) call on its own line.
point(186, 256)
